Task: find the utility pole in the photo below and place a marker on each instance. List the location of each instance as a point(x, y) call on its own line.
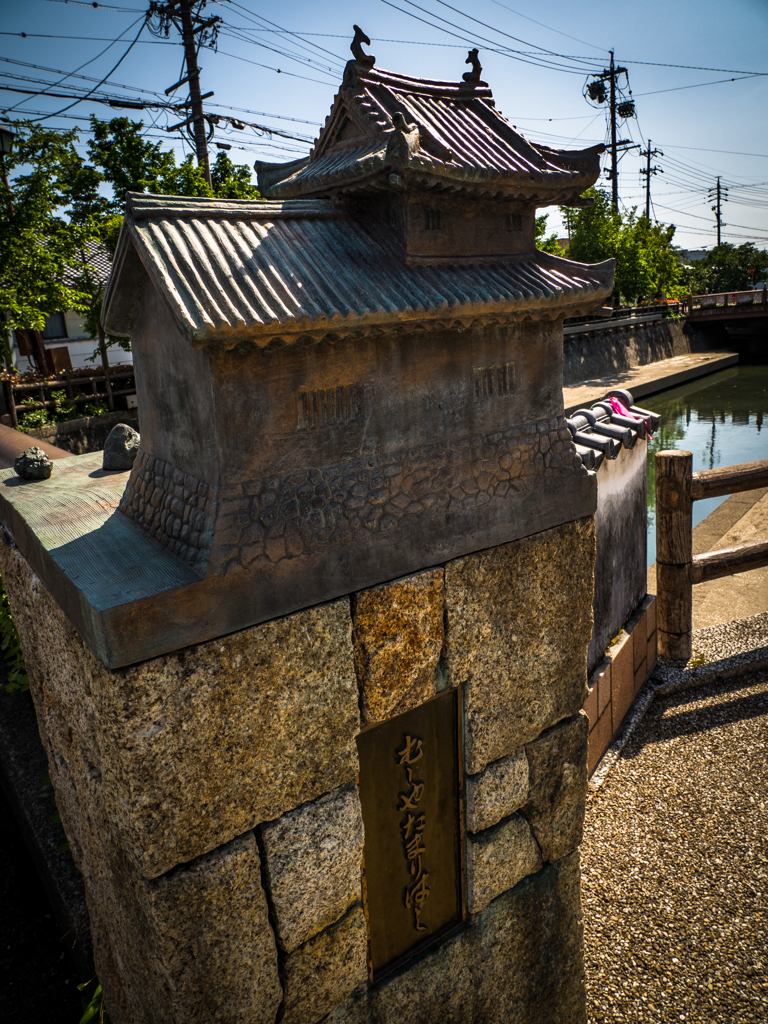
point(190, 26)
point(196, 102)
point(648, 171)
point(720, 194)
point(614, 158)
point(595, 91)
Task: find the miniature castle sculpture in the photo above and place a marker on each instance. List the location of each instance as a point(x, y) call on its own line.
point(356, 378)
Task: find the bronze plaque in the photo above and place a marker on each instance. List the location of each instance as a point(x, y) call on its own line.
point(409, 792)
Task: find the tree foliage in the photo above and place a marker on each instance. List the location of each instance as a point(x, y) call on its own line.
point(60, 206)
point(728, 268)
point(37, 240)
point(647, 263)
point(548, 243)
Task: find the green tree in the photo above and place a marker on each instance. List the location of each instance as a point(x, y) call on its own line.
point(59, 207)
point(728, 268)
point(647, 263)
point(130, 163)
point(38, 240)
point(546, 244)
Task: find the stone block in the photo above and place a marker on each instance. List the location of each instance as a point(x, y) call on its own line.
point(651, 653)
point(641, 675)
point(639, 639)
point(602, 676)
point(651, 626)
point(271, 711)
point(208, 925)
point(496, 792)
point(312, 861)
point(519, 620)
point(535, 972)
point(622, 679)
point(325, 970)
point(398, 635)
point(600, 738)
point(590, 706)
point(498, 859)
point(557, 763)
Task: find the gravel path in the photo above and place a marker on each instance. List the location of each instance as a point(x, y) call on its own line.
point(675, 864)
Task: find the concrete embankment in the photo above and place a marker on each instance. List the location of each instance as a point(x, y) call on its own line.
point(606, 350)
point(642, 358)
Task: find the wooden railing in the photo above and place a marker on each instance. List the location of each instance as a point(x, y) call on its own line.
point(23, 395)
point(677, 569)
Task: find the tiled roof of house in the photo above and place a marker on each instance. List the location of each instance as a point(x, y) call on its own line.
point(95, 260)
point(260, 271)
point(428, 134)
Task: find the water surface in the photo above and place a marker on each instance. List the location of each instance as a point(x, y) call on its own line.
point(719, 419)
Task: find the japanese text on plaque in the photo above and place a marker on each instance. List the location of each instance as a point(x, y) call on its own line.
point(412, 830)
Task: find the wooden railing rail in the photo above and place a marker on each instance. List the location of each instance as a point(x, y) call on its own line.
point(677, 570)
point(19, 396)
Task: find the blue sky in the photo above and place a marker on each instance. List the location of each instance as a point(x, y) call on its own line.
point(536, 58)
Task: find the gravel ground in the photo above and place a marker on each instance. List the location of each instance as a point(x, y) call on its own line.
point(675, 863)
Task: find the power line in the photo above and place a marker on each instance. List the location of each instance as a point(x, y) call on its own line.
point(64, 74)
point(493, 46)
point(130, 47)
point(700, 85)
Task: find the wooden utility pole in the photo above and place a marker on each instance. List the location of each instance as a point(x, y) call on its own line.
point(185, 17)
point(188, 31)
point(647, 171)
point(614, 157)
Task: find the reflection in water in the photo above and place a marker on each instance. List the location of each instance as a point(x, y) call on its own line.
point(719, 419)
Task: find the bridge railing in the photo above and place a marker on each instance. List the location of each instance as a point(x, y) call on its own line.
point(725, 300)
point(677, 569)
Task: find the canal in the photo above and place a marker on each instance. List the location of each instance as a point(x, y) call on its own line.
point(719, 419)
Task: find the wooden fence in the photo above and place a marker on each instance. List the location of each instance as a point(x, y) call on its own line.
point(677, 569)
point(23, 395)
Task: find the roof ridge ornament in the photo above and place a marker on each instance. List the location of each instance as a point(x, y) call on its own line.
point(366, 59)
point(473, 77)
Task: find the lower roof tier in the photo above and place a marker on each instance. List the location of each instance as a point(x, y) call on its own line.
point(235, 271)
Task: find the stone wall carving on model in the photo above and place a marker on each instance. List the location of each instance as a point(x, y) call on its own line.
point(286, 516)
point(209, 795)
point(174, 507)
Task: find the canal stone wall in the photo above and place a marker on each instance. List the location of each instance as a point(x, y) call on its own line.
point(605, 351)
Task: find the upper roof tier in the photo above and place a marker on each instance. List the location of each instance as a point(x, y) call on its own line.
point(392, 132)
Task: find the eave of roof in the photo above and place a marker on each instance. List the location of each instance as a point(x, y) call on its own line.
point(266, 273)
point(460, 143)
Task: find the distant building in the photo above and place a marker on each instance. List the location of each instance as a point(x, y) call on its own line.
point(64, 343)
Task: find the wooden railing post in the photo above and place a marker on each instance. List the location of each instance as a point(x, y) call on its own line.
point(674, 554)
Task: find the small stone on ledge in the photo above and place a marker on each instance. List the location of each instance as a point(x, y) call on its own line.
point(121, 448)
point(33, 464)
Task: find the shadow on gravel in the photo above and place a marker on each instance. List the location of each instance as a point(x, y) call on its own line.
point(667, 718)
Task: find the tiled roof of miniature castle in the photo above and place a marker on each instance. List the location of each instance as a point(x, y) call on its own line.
point(260, 271)
point(428, 134)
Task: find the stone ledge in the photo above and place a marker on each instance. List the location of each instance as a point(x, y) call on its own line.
point(744, 642)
